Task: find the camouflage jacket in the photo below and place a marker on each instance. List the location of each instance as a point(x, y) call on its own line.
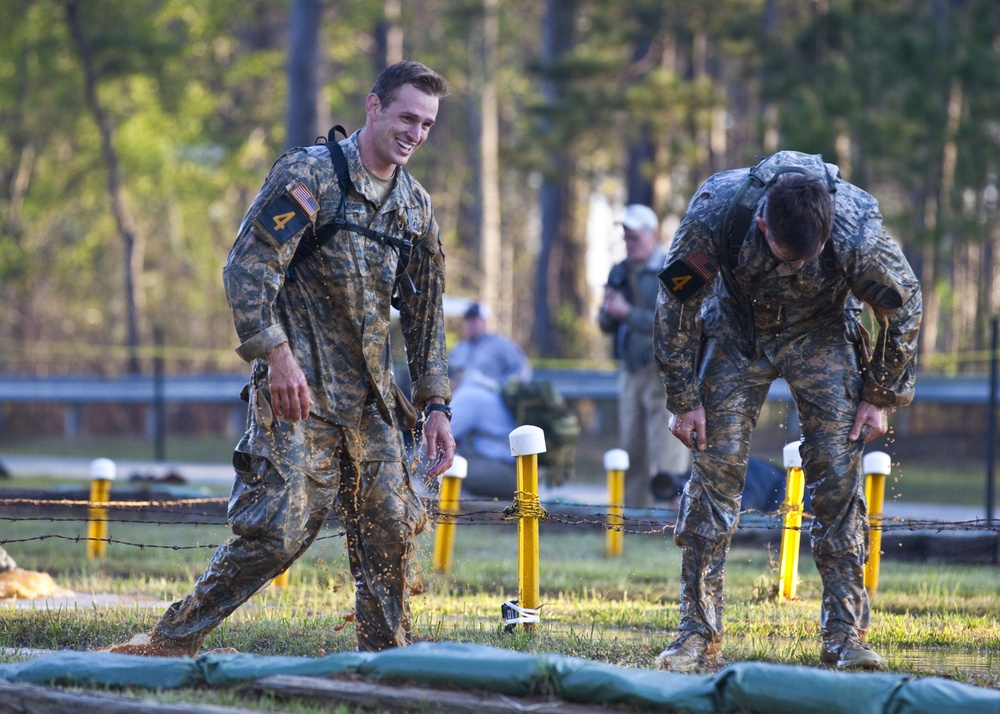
point(334, 310)
point(775, 302)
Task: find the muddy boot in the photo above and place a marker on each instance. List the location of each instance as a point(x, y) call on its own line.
point(847, 650)
point(149, 644)
point(691, 652)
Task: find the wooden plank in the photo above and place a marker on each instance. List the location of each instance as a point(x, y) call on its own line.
point(20, 698)
point(407, 698)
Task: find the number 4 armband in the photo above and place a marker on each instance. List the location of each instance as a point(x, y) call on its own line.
point(686, 276)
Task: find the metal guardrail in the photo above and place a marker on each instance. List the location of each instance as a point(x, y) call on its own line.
point(126, 389)
point(221, 388)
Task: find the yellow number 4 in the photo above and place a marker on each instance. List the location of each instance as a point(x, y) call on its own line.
point(680, 282)
point(282, 219)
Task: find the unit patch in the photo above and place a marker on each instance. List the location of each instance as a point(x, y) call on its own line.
point(686, 276)
point(288, 214)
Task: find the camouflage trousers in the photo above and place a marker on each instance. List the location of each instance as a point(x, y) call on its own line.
point(277, 510)
point(826, 382)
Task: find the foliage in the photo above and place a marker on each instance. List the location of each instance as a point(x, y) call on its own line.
point(903, 94)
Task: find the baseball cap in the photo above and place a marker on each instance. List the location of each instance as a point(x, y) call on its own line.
point(638, 217)
point(476, 310)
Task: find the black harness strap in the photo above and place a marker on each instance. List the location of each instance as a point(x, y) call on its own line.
point(318, 238)
point(737, 223)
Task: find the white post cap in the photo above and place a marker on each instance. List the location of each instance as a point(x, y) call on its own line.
point(102, 468)
point(793, 459)
point(616, 460)
point(526, 440)
point(877, 462)
point(459, 467)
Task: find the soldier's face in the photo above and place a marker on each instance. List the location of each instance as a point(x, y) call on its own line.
point(397, 130)
point(780, 252)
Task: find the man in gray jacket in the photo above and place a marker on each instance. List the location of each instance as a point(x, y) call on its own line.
point(627, 314)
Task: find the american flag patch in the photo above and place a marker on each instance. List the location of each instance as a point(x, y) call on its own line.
point(304, 198)
point(703, 265)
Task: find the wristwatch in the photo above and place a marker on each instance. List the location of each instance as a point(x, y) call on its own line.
point(435, 407)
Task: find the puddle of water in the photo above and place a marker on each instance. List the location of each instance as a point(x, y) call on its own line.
point(930, 660)
point(947, 662)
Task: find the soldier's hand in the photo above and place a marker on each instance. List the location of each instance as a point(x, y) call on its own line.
point(440, 443)
point(689, 427)
point(290, 396)
point(870, 422)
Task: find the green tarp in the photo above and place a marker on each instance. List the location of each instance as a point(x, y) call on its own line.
point(771, 688)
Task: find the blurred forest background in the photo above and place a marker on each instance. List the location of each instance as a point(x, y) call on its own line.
point(133, 136)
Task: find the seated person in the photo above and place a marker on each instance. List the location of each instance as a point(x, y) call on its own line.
point(764, 490)
point(481, 424)
point(490, 354)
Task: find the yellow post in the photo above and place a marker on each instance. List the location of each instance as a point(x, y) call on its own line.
point(281, 580)
point(450, 492)
point(877, 465)
point(616, 464)
point(791, 532)
point(102, 473)
point(526, 443)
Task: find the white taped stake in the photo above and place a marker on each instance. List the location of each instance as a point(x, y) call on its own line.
point(616, 460)
point(793, 459)
point(527, 439)
point(513, 615)
point(877, 462)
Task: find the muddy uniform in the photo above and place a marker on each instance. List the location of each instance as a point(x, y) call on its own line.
point(333, 310)
point(803, 326)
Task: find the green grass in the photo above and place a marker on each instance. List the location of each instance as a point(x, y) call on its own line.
point(927, 619)
point(621, 611)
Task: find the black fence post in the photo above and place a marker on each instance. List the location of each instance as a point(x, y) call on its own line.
point(159, 407)
point(991, 439)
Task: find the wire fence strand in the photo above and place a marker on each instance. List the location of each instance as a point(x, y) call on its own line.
point(185, 512)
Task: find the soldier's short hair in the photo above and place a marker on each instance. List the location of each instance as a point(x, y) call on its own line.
point(799, 215)
point(393, 77)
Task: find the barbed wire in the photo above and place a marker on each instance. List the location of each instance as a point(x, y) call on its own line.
point(565, 514)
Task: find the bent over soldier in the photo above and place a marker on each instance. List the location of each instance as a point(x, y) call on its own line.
point(766, 278)
point(322, 431)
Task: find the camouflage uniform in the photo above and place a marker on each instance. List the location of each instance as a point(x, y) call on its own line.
point(333, 310)
point(722, 350)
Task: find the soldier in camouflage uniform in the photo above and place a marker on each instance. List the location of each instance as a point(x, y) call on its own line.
point(787, 304)
point(321, 432)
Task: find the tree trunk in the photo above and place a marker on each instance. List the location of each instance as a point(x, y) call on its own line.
point(389, 34)
point(555, 194)
point(304, 63)
point(491, 255)
point(132, 242)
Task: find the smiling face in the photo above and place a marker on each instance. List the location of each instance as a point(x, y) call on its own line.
point(393, 132)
